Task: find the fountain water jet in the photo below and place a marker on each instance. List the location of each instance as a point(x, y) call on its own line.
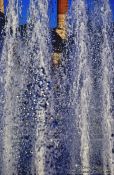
point(38, 52)
point(53, 129)
point(12, 86)
point(107, 75)
point(81, 91)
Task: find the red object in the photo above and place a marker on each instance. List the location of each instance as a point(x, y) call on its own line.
point(62, 6)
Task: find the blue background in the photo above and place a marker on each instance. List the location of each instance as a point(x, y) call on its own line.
point(52, 11)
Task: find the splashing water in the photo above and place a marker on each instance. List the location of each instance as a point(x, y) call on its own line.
point(12, 86)
point(38, 46)
point(107, 67)
point(82, 81)
point(57, 120)
point(32, 61)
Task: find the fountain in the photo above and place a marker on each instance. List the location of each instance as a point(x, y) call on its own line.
point(56, 113)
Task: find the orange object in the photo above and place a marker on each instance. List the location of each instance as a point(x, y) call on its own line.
point(61, 18)
point(2, 6)
point(61, 28)
point(62, 6)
